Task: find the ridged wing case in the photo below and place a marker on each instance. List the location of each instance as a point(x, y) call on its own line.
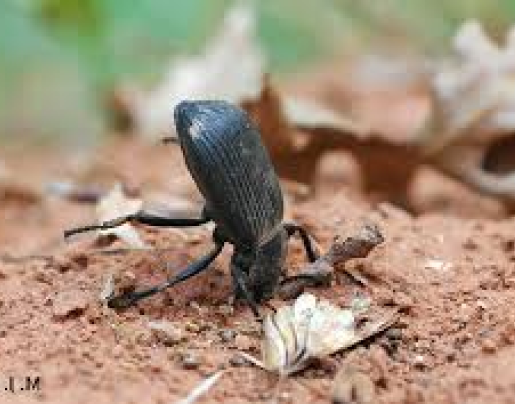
point(231, 167)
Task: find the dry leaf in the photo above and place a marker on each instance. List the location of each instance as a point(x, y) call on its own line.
point(310, 115)
point(297, 131)
point(311, 328)
point(230, 68)
point(472, 126)
point(477, 92)
point(166, 332)
point(114, 205)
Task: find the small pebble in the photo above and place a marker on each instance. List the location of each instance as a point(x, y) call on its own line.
point(243, 342)
point(393, 333)
point(419, 362)
point(80, 259)
point(192, 327)
point(227, 335)
point(226, 310)
point(70, 303)
point(190, 361)
point(237, 361)
point(166, 332)
point(470, 244)
point(489, 346)
point(117, 351)
point(352, 386)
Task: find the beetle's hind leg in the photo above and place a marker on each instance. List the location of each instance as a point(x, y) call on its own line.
point(143, 218)
point(128, 299)
point(291, 229)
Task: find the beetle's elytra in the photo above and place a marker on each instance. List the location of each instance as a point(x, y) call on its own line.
point(225, 156)
point(223, 151)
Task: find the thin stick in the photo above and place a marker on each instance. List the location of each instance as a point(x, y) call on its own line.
point(202, 388)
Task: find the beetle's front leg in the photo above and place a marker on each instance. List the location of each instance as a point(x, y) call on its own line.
point(128, 299)
point(143, 218)
point(240, 279)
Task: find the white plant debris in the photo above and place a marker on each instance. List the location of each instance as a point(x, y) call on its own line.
point(476, 91)
point(204, 386)
point(230, 68)
point(473, 109)
point(107, 289)
point(116, 204)
point(437, 265)
point(311, 328)
point(310, 115)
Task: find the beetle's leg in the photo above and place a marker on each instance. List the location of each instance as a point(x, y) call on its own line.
point(241, 280)
point(291, 229)
point(128, 299)
point(143, 218)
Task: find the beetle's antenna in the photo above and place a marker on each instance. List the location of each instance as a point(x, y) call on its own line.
point(102, 226)
point(83, 229)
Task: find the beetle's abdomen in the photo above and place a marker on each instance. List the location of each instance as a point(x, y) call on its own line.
point(232, 169)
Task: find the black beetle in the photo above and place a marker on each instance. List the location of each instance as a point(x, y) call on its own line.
point(228, 162)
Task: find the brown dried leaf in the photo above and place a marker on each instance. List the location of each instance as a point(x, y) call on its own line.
point(297, 132)
point(298, 135)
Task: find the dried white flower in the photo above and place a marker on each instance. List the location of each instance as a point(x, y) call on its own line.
point(311, 328)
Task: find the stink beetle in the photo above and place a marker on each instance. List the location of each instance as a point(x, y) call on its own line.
point(223, 151)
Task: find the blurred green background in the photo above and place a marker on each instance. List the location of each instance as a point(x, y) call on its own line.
point(58, 58)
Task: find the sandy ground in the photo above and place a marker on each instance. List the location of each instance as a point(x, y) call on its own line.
point(449, 270)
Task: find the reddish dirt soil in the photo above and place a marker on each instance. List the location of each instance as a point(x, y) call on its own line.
point(449, 270)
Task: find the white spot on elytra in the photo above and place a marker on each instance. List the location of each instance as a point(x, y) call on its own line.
point(195, 129)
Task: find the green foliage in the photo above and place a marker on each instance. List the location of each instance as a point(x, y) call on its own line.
point(102, 42)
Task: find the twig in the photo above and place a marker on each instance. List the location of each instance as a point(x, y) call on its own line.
point(320, 272)
point(202, 388)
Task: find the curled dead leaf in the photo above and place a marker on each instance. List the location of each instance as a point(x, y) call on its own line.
point(471, 132)
point(311, 328)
